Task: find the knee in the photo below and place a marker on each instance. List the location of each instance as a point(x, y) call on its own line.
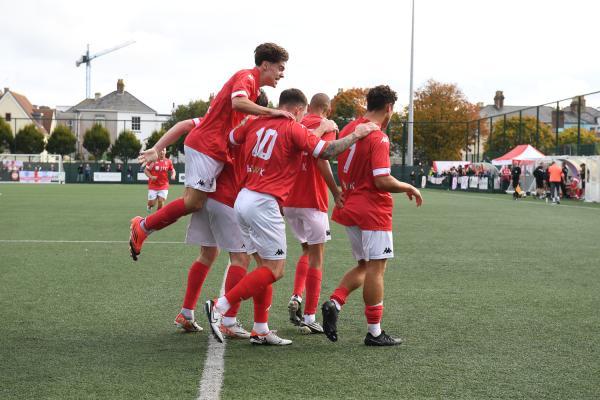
point(208, 255)
point(239, 259)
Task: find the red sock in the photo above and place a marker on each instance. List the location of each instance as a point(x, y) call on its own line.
point(196, 276)
point(300, 278)
point(340, 294)
point(374, 313)
point(262, 304)
point(313, 290)
point(235, 273)
point(253, 283)
point(166, 215)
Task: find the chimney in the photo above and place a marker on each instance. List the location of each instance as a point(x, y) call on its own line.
point(97, 96)
point(6, 90)
point(120, 86)
point(574, 103)
point(499, 100)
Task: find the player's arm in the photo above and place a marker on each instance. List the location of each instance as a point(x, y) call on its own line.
point(170, 137)
point(148, 174)
point(244, 105)
point(173, 172)
point(325, 170)
point(335, 147)
point(387, 183)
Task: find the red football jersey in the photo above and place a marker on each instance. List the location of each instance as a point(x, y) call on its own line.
point(365, 206)
point(210, 136)
point(309, 189)
point(161, 169)
point(272, 154)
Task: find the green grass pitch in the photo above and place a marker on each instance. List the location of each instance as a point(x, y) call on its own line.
point(496, 299)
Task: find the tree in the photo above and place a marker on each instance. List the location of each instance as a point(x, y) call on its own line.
point(505, 138)
point(6, 137)
point(96, 140)
point(29, 140)
point(126, 146)
point(194, 109)
point(569, 136)
point(347, 105)
point(395, 130)
point(62, 141)
point(441, 112)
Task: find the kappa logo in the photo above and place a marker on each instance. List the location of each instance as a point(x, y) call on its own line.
point(243, 246)
point(328, 233)
point(200, 182)
point(279, 252)
point(387, 250)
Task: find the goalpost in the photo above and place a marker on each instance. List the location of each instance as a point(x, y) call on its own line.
point(32, 168)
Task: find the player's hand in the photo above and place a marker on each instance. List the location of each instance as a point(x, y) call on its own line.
point(281, 113)
point(363, 130)
point(328, 125)
point(148, 156)
point(416, 194)
point(339, 199)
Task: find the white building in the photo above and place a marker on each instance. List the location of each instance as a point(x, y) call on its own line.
point(117, 111)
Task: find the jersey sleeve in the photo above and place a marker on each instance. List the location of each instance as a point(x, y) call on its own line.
point(380, 156)
point(303, 139)
point(244, 86)
point(196, 121)
point(237, 135)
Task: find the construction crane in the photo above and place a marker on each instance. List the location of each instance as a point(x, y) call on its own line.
point(86, 59)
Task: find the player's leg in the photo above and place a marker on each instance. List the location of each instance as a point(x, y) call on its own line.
point(236, 271)
point(201, 172)
point(152, 195)
point(263, 231)
point(196, 276)
point(161, 198)
point(296, 224)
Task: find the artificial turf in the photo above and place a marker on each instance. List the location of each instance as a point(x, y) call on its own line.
point(496, 299)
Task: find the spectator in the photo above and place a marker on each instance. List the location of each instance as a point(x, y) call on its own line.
point(563, 182)
point(119, 167)
point(582, 175)
point(555, 176)
point(516, 177)
point(538, 174)
point(505, 177)
point(80, 173)
point(413, 177)
point(129, 174)
point(88, 173)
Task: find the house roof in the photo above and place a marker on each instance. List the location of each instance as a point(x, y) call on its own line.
point(47, 114)
point(26, 105)
point(588, 115)
point(115, 101)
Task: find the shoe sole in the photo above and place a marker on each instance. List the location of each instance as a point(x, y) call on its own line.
point(305, 330)
point(214, 326)
point(258, 342)
point(183, 328)
point(132, 251)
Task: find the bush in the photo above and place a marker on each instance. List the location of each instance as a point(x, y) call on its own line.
point(126, 146)
point(62, 141)
point(29, 140)
point(96, 140)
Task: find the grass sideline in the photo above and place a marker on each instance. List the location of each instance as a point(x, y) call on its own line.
point(496, 299)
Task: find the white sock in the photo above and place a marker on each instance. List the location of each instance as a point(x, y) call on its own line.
point(337, 305)
point(261, 328)
point(309, 318)
point(228, 321)
point(187, 313)
point(222, 305)
point(374, 329)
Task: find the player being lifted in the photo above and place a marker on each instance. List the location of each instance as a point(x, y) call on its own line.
point(206, 148)
point(364, 172)
point(158, 180)
point(273, 149)
point(214, 228)
point(305, 211)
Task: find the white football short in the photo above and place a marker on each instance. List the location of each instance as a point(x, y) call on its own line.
point(201, 171)
point(215, 225)
point(308, 225)
point(370, 245)
point(262, 225)
point(153, 194)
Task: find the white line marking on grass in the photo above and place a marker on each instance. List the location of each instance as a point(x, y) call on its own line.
point(76, 241)
point(518, 201)
point(214, 365)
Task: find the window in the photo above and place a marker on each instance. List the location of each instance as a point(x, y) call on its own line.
point(7, 117)
point(135, 123)
point(99, 119)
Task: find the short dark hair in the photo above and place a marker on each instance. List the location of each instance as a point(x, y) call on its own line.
point(292, 97)
point(270, 52)
point(379, 97)
point(262, 99)
point(320, 102)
